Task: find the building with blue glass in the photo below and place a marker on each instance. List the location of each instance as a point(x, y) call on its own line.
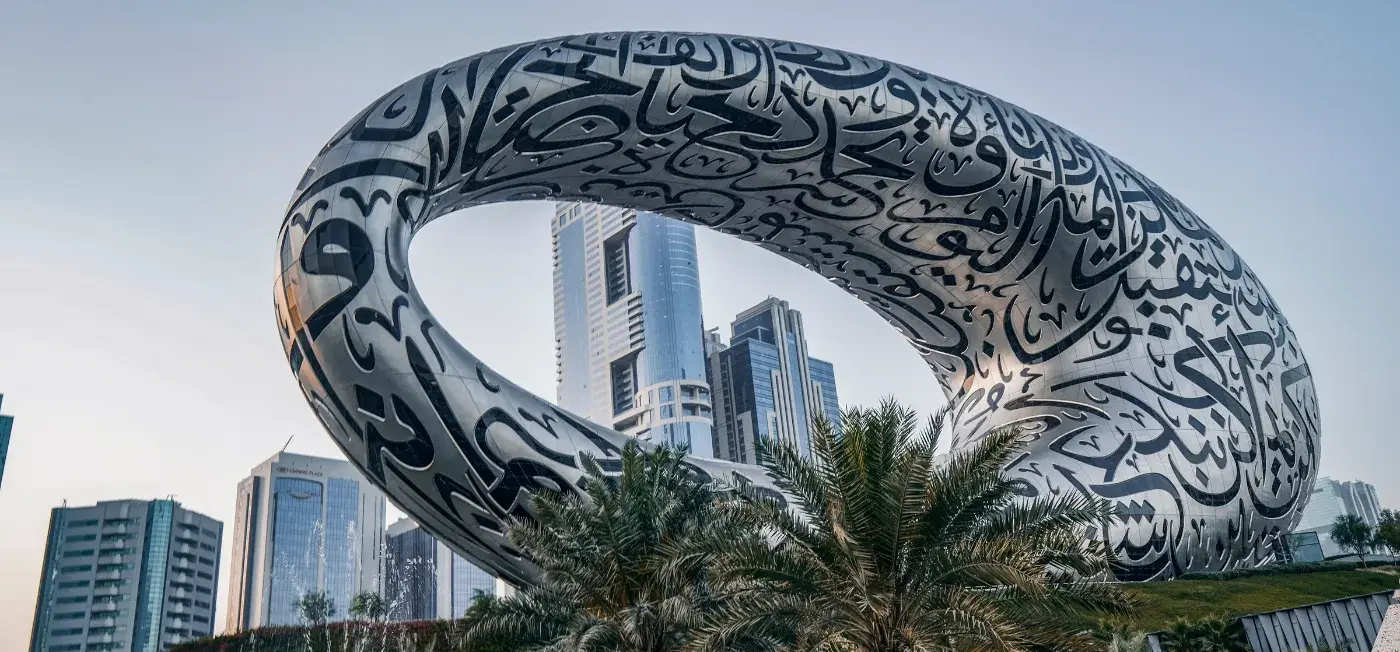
point(1301, 548)
point(6, 423)
point(766, 386)
point(302, 525)
point(129, 575)
point(1330, 499)
point(627, 324)
point(426, 580)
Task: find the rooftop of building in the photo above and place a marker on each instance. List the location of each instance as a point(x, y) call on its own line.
point(298, 460)
point(401, 526)
point(761, 307)
point(117, 503)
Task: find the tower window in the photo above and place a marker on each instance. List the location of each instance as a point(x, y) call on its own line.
point(624, 383)
point(616, 267)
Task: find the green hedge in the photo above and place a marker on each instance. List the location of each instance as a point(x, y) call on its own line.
point(1160, 603)
point(410, 636)
point(1286, 569)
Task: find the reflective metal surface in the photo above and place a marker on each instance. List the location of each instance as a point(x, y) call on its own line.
point(1046, 283)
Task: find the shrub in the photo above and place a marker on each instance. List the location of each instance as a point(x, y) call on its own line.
point(1281, 569)
point(349, 636)
point(1212, 634)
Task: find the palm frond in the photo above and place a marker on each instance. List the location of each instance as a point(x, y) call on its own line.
point(882, 549)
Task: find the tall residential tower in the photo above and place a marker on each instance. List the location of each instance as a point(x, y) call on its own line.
point(129, 575)
point(766, 387)
point(627, 324)
point(302, 524)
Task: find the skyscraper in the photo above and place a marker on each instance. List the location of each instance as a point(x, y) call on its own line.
point(1330, 499)
point(129, 575)
point(426, 579)
point(302, 524)
point(1360, 498)
point(6, 423)
point(765, 384)
point(627, 324)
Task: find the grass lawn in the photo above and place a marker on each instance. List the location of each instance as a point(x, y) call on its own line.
point(1163, 602)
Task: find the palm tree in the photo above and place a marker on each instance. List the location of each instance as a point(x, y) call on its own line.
point(1388, 532)
point(315, 608)
point(1120, 638)
point(890, 552)
point(1213, 634)
point(368, 605)
point(621, 570)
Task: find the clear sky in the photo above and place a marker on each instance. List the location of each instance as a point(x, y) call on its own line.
point(147, 150)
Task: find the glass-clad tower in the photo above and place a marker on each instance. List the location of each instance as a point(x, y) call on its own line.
point(6, 423)
point(627, 324)
point(302, 524)
point(765, 384)
point(1330, 499)
point(128, 575)
point(426, 580)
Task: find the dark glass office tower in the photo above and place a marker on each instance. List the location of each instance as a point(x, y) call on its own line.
point(426, 580)
point(766, 386)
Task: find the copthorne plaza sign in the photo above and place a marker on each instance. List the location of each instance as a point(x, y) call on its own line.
point(285, 470)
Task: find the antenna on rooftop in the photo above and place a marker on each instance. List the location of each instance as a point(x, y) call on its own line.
point(289, 442)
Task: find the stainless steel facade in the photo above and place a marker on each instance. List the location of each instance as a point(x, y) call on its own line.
point(128, 575)
point(1047, 284)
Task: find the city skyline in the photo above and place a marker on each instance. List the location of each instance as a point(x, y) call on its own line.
point(197, 383)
